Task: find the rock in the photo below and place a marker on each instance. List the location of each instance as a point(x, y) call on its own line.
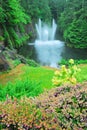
point(22, 59)
point(9, 57)
point(4, 65)
point(10, 54)
point(2, 48)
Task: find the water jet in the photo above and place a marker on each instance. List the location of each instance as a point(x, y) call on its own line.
point(48, 50)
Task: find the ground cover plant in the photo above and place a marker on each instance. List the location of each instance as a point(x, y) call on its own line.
point(63, 107)
point(28, 81)
point(69, 103)
point(25, 81)
point(23, 107)
point(20, 88)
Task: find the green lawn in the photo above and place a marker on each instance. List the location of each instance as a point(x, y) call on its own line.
point(82, 75)
point(31, 81)
point(26, 81)
point(40, 75)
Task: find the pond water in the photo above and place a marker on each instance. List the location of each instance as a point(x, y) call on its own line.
point(53, 53)
point(48, 51)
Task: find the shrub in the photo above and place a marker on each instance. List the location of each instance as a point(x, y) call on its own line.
point(20, 115)
point(66, 75)
point(68, 103)
point(62, 108)
point(72, 111)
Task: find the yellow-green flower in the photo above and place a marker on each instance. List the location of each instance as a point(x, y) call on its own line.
point(73, 80)
point(63, 66)
point(56, 72)
point(64, 70)
point(71, 61)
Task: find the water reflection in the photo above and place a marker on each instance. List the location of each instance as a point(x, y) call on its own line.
point(74, 53)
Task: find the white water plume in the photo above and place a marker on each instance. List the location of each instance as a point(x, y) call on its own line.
point(48, 50)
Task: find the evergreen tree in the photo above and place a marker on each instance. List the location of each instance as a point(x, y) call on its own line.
point(13, 19)
point(37, 9)
point(73, 23)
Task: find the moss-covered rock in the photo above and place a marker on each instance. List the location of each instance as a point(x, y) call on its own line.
point(9, 58)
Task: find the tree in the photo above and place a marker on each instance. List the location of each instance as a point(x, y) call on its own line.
point(57, 7)
point(73, 23)
point(37, 9)
point(12, 21)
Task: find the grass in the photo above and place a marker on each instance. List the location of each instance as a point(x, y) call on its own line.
point(39, 74)
point(34, 74)
point(20, 88)
point(82, 75)
point(25, 80)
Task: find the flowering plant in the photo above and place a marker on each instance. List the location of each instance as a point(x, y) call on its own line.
point(66, 75)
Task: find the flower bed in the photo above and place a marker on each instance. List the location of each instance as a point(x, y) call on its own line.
point(60, 108)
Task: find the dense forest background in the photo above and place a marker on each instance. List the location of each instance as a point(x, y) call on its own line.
point(18, 18)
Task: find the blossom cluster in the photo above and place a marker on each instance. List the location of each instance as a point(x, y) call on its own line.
point(66, 74)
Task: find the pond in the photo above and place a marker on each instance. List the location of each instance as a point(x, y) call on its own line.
point(51, 53)
point(48, 51)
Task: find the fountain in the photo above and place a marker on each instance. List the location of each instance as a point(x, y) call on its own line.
point(44, 32)
point(48, 49)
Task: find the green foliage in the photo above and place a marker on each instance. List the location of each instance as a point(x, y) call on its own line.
point(82, 64)
point(70, 16)
point(39, 74)
point(66, 75)
point(2, 15)
point(68, 103)
point(14, 13)
point(76, 34)
point(56, 7)
point(17, 13)
point(20, 88)
point(16, 62)
point(1, 38)
point(32, 63)
point(62, 108)
point(72, 111)
point(12, 18)
point(73, 23)
point(30, 81)
point(24, 114)
point(82, 75)
point(37, 9)
point(66, 62)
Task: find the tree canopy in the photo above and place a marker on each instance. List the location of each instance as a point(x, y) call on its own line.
point(12, 20)
point(73, 23)
point(71, 17)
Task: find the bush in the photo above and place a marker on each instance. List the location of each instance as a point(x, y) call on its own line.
point(66, 75)
point(20, 115)
point(68, 103)
point(72, 111)
point(60, 108)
